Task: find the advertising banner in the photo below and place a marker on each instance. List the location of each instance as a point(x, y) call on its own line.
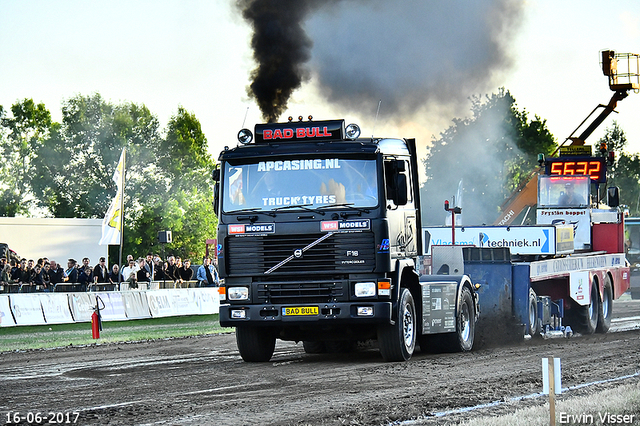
point(205, 300)
point(81, 306)
point(26, 309)
point(113, 305)
point(579, 219)
point(136, 305)
point(160, 302)
point(56, 308)
point(522, 240)
point(6, 319)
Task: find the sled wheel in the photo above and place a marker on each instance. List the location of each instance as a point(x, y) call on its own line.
point(587, 316)
point(605, 307)
point(534, 321)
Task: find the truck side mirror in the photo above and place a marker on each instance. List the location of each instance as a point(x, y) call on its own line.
point(215, 175)
point(613, 196)
point(216, 197)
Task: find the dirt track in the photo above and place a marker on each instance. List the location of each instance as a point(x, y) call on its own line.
point(200, 381)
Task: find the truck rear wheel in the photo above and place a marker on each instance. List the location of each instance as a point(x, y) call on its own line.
point(605, 307)
point(587, 316)
point(397, 341)
point(256, 344)
point(462, 339)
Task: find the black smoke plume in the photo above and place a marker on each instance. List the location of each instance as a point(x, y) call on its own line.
point(280, 47)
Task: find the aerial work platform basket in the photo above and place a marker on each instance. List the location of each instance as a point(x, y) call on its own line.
point(623, 70)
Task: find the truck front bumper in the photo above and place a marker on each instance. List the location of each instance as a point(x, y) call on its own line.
point(328, 313)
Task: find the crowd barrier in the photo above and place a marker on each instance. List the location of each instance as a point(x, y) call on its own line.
point(77, 287)
point(64, 308)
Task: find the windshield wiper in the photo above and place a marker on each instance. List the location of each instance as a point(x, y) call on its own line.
point(347, 205)
point(300, 206)
point(252, 210)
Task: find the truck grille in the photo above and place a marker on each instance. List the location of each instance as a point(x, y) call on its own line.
point(256, 255)
point(316, 291)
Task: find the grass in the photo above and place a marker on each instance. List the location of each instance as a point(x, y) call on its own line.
point(76, 334)
point(591, 409)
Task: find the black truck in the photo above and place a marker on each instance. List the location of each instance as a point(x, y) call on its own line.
point(319, 231)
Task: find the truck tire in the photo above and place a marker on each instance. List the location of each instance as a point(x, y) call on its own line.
point(534, 321)
point(311, 347)
point(397, 342)
point(605, 307)
point(462, 339)
point(256, 344)
point(587, 316)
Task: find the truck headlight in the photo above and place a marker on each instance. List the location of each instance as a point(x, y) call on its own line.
point(365, 289)
point(238, 293)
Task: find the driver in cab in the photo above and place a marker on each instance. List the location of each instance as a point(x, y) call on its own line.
point(569, 198)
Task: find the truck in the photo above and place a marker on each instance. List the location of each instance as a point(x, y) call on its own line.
point(319, 235)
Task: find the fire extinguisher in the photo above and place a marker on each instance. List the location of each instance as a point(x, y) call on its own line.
point(96, 319)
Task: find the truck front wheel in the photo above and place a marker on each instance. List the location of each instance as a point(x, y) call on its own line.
point(256, 344)
point(397, 341)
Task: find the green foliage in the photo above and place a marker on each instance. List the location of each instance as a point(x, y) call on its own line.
point(66, 169)
point(22, 136)
point(481, 159)
point(625, 171)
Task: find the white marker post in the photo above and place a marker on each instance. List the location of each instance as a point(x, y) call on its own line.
point(551, 384)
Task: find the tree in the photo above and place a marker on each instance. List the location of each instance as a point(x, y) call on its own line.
point(482, 159)
point(66, 169)
point(22, 137)
point(625, 171)
point(178, 196)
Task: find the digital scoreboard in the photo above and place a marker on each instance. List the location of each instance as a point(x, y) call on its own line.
point(594, 167)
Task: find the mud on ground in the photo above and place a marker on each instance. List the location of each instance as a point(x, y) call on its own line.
point(202, 380)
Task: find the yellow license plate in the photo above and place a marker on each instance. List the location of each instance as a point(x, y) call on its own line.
point(300, 310)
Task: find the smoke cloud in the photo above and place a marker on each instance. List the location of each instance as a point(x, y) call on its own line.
point(423, 59)
point(410, 53)
point(281, 47)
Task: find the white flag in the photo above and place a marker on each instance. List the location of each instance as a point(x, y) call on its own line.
point(112, 223)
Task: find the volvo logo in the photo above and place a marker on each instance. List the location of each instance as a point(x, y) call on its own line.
point(297, 253)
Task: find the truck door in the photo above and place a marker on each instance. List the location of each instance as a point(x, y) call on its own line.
point(401, 212)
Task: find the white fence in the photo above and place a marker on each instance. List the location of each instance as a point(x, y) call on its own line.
point(62, 308)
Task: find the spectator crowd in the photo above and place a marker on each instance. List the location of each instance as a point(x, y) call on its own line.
point(44, 274)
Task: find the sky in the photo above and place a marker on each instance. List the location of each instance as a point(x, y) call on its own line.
point(196, 54)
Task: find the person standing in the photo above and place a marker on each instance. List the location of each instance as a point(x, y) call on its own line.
point(185, 272)
point(149, 266)
point(171, 270)
point(207, 275)
point(72, 271)
point(44, 278)
point(114, 276)
point(100, 272)
point(143, 275)
point(56, 273)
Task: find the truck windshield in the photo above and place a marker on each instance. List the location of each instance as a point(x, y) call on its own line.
point(563, 191)
point(268, 185)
